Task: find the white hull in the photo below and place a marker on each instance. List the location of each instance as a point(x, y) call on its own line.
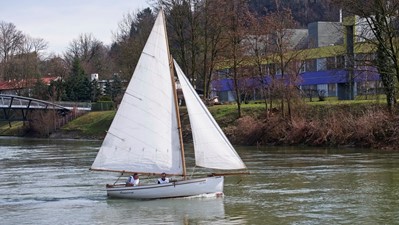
point(183, 188)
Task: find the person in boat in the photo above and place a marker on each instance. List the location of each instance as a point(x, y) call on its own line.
point(163, 179)
point(133, 180)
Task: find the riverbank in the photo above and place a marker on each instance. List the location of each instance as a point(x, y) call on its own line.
point(362, 125)
point(350, 125)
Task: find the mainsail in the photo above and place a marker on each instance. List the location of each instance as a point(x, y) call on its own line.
point(211, 146)
point(143, 136)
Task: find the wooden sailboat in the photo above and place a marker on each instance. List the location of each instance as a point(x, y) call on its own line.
point(145, 135)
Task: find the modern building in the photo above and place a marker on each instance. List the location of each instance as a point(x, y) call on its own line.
point(333, 62)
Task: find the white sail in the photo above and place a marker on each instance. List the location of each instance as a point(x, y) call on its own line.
point(211, 146)
point(143, 136)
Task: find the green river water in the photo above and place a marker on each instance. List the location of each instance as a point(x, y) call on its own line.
point(49, 182)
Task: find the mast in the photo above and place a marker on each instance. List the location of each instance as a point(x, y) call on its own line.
point(172, 76)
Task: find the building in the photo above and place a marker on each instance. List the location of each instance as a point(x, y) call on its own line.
point(16, 87)
point(325, 64)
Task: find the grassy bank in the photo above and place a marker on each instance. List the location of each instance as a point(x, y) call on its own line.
point(92, 125)
point(16, 129)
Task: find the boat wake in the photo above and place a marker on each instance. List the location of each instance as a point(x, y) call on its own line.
point(206, 196)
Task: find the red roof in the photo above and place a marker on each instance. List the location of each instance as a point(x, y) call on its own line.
point(12, 85)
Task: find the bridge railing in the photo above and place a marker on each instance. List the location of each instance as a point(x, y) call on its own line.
point(13, 101)
point(83, 106)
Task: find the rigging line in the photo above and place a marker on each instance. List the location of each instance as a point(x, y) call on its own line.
point(192, 173)
point(115, 135)
point(134, 96)
point(119, 177)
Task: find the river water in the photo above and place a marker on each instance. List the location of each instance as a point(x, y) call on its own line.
point(48, 182)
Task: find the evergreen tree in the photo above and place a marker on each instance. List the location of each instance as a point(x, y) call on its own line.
point(40, 90)
point(84, 89)
point(116, 87)
point(113, 88)
point(108, 89)
point(77, 85)
point(57, 90)
point(95, 91)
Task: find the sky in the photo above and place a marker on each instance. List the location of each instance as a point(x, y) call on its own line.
point(59, 22)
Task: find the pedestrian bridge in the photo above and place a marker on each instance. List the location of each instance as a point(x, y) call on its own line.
point(17, 108)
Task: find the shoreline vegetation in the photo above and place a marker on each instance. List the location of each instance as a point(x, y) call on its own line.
point(349, 124)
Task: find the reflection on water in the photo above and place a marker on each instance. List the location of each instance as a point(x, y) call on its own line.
point(48, 182)
point(166, 211)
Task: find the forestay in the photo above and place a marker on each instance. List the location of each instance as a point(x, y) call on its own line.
point(143, 136)
point(211, 146)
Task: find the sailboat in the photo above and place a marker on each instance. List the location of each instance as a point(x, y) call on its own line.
point(145, 135)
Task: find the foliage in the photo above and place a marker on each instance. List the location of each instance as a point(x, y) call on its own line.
point(41, 123)
point(40, 90)
point(356, 125)
point(113, 88)
point(130, 40)
point(95, 90)
point(102, 106)
point(57, 90)
point(92, 54)
point(77, 85)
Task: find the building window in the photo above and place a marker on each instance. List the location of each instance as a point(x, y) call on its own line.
point(321, 64)
point(340, 62)
point(332, 90)
point(330, 63)
point(310, 65)
point(303, 67)
point(222, 74)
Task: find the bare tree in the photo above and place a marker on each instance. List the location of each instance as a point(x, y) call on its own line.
point(54, 66)
point(33, 45)
point(259, 48)
point(19, 56)
point(90, 51)
point(183, 21)
point(11, 40)
point(284, 56)
point(130, 39)
point(236, 18)
point(212, 39)
point(28, 61)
